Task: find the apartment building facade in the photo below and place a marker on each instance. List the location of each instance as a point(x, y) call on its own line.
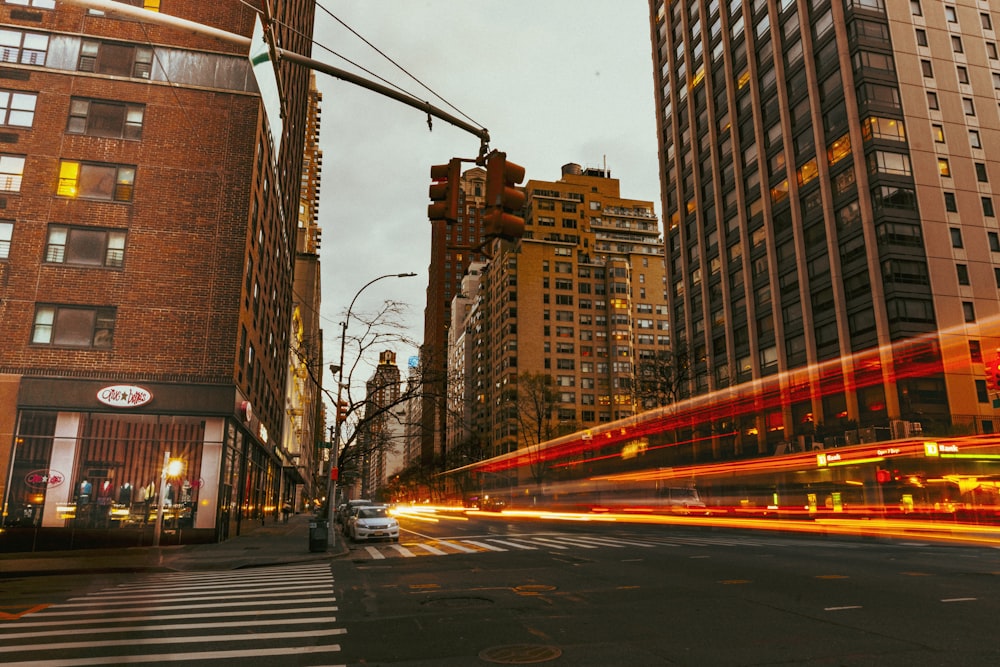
point(566, 314)
point(828, 207)
point(149, 245)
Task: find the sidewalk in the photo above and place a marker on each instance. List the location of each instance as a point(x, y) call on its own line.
point(274, 543)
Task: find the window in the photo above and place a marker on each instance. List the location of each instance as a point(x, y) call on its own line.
point(915, 8)
point(988, 206)
point(6, 232)
point(974, 140)
point(926, 69)
point(921, 37)
point(991, 51)
point(984, 20)
point(956, 237)
point(11, 171)
point(968, 106)
point(85, 246)
point(100, 118)
point(73, 326)
point(26, 48)
point(944, 168)
point(17, 109)
point(932, 101)
point(994, 239)
point(115, 58)
point(95, 181)
point(963, 274)
point(981, 172)
point(950, 15)
point(887, 162)
point(950, 204)
point(956, 44)
point(938, 132)
point(996, 276)
point(41, 4)
point(969, 311)
point(963, 74)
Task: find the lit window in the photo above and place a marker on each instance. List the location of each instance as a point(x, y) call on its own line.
point(11, 171)
point(944, 168)
point(95, 181)
point(73, 326)
point(17, 109)
point(938, 131)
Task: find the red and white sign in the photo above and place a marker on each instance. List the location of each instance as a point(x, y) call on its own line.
point(40, 479)
point(124, 396)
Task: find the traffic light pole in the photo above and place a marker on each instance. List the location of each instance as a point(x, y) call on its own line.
point(146, 16)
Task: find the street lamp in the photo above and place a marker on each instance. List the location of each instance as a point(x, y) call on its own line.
point(339, 370)
point(171, 468)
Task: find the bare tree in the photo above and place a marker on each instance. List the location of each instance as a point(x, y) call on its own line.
point(664, 379)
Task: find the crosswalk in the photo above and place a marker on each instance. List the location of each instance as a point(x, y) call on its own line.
point(269, 615)
point(566, 541)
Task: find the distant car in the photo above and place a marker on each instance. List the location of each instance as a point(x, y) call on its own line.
point(492, 504)
point(372, 522)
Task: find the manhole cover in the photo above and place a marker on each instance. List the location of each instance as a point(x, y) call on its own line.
point(458, 602)
point(520, 654)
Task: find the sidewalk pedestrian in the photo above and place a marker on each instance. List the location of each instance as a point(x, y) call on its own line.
point(286, 509)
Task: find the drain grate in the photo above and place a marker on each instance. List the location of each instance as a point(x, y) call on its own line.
point(520, 654)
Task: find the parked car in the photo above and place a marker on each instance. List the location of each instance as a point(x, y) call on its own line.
point(492, 504)
point(372, 522)
point(344, 510)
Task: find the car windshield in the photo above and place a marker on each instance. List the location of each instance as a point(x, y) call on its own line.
point(373, 513)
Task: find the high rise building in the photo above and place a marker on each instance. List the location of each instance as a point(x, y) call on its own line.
point(453, 248)
point(381, 437)
point(147, 250)
point(564, 316)
point(829, 208)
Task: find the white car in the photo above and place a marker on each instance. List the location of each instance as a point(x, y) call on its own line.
point(369, 523)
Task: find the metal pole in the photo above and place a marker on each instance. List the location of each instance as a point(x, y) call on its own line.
point(158, 527)
point(335, 457)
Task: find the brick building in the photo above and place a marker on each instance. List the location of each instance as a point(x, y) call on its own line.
point(147, 250)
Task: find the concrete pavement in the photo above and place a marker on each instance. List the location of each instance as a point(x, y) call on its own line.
point(273, 543)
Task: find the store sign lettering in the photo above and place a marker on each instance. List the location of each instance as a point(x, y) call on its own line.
point(40, 479)
point(124, 396)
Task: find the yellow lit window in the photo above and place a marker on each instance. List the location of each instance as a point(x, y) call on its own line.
point(619, 303)
point(779, 192)
point(839, 149)
point(807, 172)
point(69, 176)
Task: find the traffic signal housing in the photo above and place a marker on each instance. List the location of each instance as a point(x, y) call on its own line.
point(504, 202)
point(342, 409)
point(444, 191)
point(993, 374)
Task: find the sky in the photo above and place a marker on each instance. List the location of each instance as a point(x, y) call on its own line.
point(554, 81)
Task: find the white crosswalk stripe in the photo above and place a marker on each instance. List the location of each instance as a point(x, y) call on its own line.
point(564, 541)
point(285, 612)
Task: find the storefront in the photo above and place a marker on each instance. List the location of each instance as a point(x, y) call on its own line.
point(92, 461)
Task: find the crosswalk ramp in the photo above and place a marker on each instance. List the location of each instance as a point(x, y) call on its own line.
point(554, 541)
point(273, 616)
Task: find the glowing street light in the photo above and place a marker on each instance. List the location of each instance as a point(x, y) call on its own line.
point(171, 468)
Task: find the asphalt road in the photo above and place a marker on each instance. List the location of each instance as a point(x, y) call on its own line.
point(590, 594)
point(467, 590)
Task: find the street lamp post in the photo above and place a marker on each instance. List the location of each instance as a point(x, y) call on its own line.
point(331, 483)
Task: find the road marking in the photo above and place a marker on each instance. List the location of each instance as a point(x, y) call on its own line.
point(4, 616)
point(374, 553)
point(549, 543)
point(460, 547)
point(854, 606)
point(153, 641)
point(516, 545)
point(189, 657)
point(428, 548)
point(484, 545)
point(406, 553)
point(958, 600)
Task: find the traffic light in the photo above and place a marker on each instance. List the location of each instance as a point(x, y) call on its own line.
point(342, 408)
point(444, 191)
point(504, 202)
point(883, 476)
point(993, 374)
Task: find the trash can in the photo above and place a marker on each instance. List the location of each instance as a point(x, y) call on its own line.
point(319, 535)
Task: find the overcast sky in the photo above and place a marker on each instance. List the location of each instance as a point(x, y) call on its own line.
point(554, 81)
